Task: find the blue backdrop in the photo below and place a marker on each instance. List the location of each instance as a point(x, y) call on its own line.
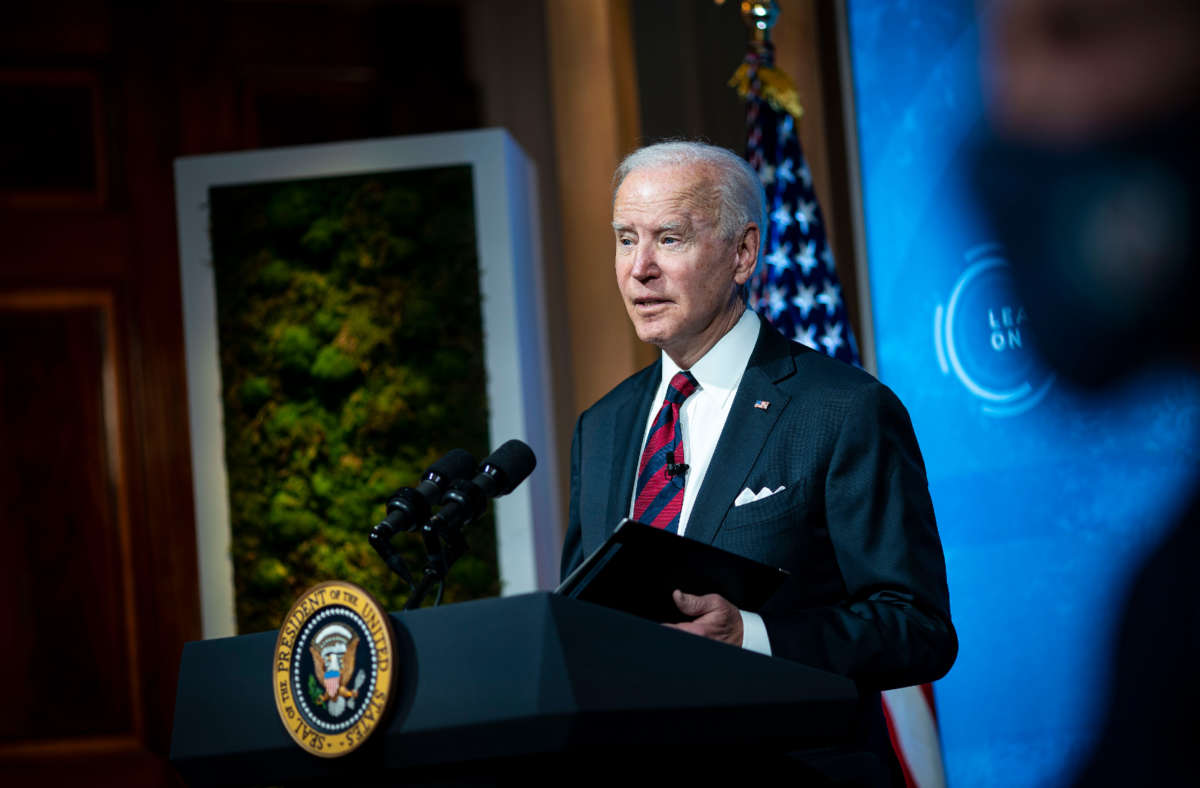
point(1045, 500)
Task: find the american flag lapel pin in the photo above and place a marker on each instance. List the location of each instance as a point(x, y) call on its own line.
point(761, 404)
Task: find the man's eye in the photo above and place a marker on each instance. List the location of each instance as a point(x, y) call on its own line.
point(670, 239)
point(625, 241)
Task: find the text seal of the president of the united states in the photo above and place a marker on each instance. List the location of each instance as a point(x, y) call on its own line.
point(334, 668)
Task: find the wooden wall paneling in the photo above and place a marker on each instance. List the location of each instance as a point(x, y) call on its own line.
point(63, 247)
point(56, 29)
point(65, 274)
point(73, 632)
point(55, 124)
point(163, 531)
point(301, 106)
point(211, 106)
point(325, 72)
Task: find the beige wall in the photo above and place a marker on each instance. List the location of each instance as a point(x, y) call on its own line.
point(595, 121)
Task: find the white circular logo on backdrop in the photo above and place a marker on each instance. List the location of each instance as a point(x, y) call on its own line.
point(981, 336)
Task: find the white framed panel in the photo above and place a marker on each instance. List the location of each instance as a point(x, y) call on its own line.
point(516, 351)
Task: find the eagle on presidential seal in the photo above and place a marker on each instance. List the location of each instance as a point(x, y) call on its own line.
point(333, 651)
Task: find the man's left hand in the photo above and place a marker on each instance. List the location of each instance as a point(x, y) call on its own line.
point(713, 616)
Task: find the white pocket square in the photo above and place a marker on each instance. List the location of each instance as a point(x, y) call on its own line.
point(747, 495)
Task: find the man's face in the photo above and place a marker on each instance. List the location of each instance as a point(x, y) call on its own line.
point(677, 276)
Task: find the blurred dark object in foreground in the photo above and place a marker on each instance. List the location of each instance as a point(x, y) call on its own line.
point(1153, 722)
point(1103, 238)
point(1093, 186)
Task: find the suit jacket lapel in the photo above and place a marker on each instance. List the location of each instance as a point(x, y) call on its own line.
point(746, 432)
point(628, 428)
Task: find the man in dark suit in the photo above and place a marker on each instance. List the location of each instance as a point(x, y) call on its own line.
point(787, 456)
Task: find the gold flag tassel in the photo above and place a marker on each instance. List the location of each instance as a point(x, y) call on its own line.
point(775, 87)
point(757, 76)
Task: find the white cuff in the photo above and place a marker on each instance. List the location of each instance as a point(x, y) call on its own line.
point(754, 633)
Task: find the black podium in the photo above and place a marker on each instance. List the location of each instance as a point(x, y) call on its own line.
point(500, 686)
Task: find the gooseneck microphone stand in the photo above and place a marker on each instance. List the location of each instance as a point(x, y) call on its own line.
point(462, 501)
point(408, 508)
point(443, 546)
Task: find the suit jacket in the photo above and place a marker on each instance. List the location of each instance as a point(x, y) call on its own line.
point(867, 595)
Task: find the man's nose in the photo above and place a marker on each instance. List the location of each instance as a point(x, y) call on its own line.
point(644, 264)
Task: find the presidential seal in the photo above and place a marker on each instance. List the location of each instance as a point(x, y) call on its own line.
point(334, 668)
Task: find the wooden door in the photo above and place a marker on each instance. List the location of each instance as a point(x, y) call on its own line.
point(99, 588)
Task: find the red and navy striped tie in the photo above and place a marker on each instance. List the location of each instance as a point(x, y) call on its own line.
point(659, 494)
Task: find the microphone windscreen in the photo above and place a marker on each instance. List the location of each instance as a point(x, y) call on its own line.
point(515, 461)
point(457, 464)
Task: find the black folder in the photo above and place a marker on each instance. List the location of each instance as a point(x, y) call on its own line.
point(639, 566)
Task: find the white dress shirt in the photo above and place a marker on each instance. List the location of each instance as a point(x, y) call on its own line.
point(701, 420)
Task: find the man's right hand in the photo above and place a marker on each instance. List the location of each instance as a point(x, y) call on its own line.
point(713, 616)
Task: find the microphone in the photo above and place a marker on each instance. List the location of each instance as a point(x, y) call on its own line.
point(408, 508)
point(498, 475)
point(672, 468)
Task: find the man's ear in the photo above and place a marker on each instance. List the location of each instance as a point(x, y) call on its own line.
point(746, 252)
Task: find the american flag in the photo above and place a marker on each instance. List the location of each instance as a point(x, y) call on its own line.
point(797, 290)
